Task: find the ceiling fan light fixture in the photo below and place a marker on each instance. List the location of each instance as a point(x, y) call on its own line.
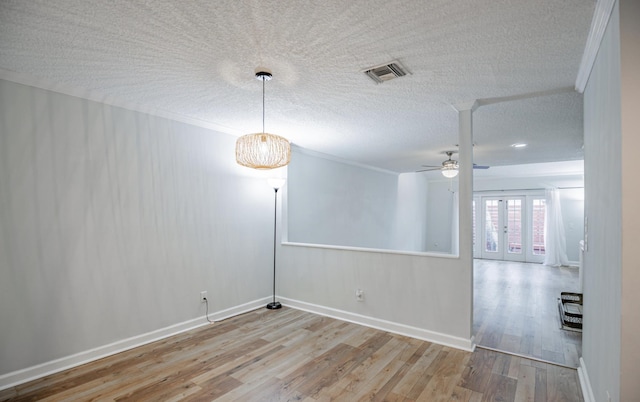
point(449, 172)
point(263, 150)
point(450, 164)
point(449, 167)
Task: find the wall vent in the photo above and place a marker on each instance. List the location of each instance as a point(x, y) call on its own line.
point(386, 72)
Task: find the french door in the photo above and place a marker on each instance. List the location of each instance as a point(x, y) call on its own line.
point(509, 228)
point(502, 235)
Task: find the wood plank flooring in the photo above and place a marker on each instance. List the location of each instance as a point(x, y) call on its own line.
point(516, 310)
point(287, 355)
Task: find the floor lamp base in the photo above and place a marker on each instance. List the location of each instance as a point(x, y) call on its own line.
point(274, 305)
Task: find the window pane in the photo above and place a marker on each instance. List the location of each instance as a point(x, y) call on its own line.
point(539, 212)
point(491, 225)
point(514, 226)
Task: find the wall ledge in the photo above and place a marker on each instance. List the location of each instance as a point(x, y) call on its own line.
point(371, 250)
point(41, 370)
point(384, 325)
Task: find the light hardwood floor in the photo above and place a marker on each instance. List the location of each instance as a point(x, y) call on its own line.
point(516, 310)
point(287, 354)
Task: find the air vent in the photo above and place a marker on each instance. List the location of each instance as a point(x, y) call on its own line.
point(386, 72)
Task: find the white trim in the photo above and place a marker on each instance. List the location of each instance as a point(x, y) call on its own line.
point(599, 23)
point(585, 384)
point(299, 149)
point(372, 250)
point(465, 105)
point(384, 325)
point(96, 96)
point(527, 95)
point(31, 373)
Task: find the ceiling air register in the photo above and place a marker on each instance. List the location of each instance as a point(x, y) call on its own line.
point(386, 72)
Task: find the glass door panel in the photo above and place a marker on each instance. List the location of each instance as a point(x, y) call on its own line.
point(503, 234)
point(536, 250)
point(492, 233)
point(513, 232)
point(475, 225)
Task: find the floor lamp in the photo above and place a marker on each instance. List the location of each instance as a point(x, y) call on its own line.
point(276, 184)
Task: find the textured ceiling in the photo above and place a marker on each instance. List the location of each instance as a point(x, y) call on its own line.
point(198, 58)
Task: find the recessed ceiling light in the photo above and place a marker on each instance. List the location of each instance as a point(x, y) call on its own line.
point(518, 145)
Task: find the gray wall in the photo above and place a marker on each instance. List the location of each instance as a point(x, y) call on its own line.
point(335, 202)
point(332, 202)
point(439, 215)
point(411, 213)
point(602, 263)
point(611, 352)
point(113, 221)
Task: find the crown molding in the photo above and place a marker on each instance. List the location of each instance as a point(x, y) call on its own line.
point(599, 23)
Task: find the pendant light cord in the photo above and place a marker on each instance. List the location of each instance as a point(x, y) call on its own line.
point(263, 80)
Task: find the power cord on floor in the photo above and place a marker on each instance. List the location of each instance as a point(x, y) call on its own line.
point(206, 304)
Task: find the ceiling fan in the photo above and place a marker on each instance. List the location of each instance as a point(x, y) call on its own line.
point(449, 167)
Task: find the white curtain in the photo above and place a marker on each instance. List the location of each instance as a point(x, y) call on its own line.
point(455, 227)
point(555, 240)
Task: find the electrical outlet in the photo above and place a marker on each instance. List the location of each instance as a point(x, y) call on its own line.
point(359, 295)
point(203, 296)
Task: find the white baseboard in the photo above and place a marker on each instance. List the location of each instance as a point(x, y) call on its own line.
point(41, 370)
point(587, 392)
point(31, 373)
point(396, 328)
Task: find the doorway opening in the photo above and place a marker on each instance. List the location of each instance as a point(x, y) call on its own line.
point(509, 228)
point(516, 311)
point(515, 296)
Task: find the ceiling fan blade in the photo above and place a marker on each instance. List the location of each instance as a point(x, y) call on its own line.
point(429, 169)
point(432, 166)
point(480, 167)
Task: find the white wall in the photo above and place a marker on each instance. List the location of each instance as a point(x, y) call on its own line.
point(423, 296)
point(113, 221)
point(601, 346)
point(611, 352)
point(411, 221)
point(331, 205)
point(572, 204)
point(337, 203)
point(440, 214)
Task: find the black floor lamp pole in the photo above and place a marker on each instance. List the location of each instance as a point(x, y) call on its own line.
point(274, 304)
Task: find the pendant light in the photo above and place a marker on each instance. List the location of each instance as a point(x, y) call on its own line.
point(263, 150)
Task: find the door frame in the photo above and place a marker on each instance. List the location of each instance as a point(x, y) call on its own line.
point(527, 197)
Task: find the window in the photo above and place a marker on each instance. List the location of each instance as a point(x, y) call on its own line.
point(538, 230)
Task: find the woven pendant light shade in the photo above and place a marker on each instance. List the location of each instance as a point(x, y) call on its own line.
point(263, 151)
